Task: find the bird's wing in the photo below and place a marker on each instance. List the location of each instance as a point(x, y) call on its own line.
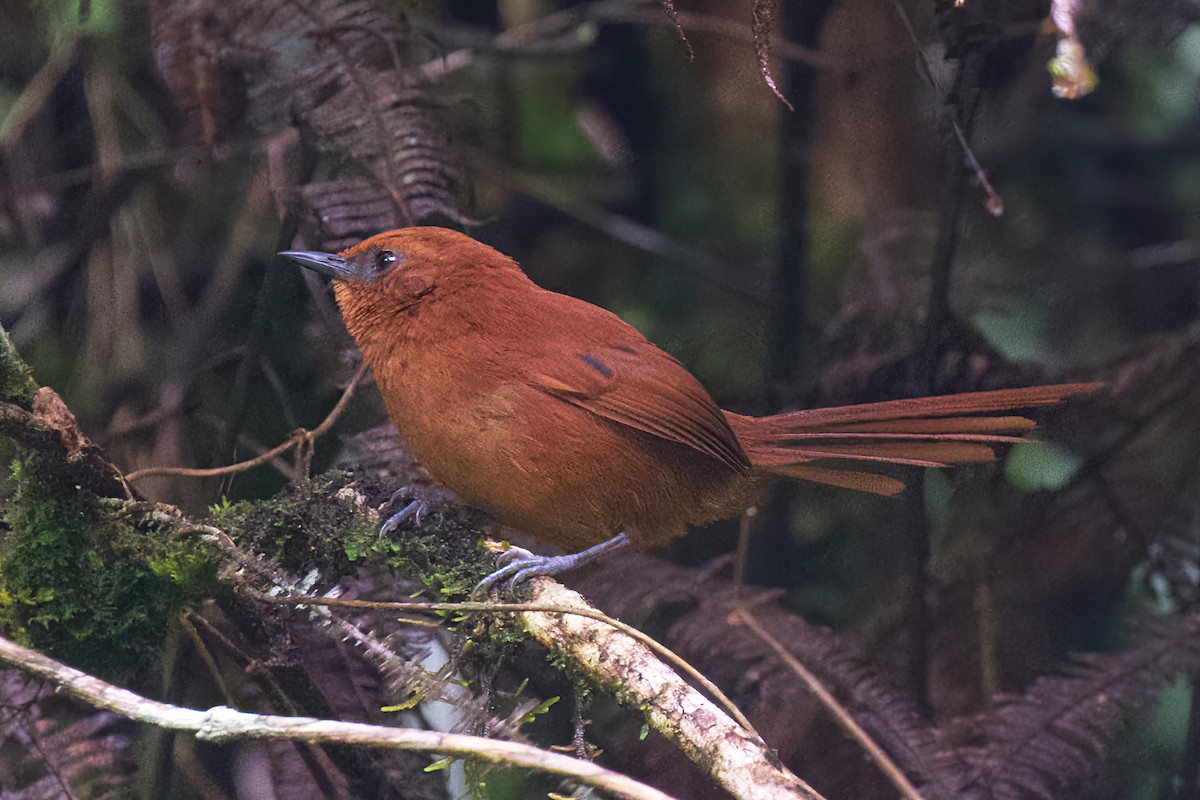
point(638, 385)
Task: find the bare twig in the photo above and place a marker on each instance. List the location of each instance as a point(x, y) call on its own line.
point(668, 7)
point(742, 554)
point(174, 405)
point(216, 424)
point(223, 724)
point(300, 440)
point(206, 656)
point(839, 712)
point(534, 37)
point(764, 12)
point(995, 203)
point(294, 441)
point(729, 28)
point(645, 14)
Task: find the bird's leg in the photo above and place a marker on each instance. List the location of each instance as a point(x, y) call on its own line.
point(518, 564)
point(421, 500)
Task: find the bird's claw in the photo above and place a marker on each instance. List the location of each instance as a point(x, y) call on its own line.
point(518, 565)
point(414, 509)
point(516, 554)
point(418, 506)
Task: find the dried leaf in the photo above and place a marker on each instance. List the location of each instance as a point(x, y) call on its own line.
point(1073, 75)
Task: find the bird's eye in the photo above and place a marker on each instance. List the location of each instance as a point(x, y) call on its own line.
point(385, 259)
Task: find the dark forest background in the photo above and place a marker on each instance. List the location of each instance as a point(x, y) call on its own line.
point(1023, 629)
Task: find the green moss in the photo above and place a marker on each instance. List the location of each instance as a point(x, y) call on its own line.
point(306, 526)
point(326, 524)
point(97, 582)
point(90, 586)
point(16, 381)
point(320, 524)
point(443, 554)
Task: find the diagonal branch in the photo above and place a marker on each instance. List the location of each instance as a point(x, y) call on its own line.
point(835, 708)
point(739, 761)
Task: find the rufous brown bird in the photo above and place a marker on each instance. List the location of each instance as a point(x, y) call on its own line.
point(559, 419)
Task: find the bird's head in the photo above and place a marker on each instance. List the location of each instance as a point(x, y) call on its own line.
point(391, 272)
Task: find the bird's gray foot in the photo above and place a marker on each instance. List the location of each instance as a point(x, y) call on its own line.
point(518, 564)
point(420, 502)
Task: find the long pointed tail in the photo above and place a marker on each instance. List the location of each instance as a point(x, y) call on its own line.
point(815, 444)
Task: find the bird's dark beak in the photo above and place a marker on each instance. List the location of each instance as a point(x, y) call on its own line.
point(325, 263)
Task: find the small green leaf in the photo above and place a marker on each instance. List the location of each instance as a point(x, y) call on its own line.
point(538, 710)
point(404, 706)
point(441, 763)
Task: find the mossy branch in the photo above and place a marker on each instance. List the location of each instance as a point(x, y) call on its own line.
point(51, 432)
point(79, 577)
point(17, 385)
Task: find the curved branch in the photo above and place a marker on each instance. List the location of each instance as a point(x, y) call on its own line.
point(299, 440)
point(223, 724)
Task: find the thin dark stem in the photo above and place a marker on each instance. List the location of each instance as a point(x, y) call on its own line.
point(957, 123)
point(917, 555)
point(1187, 784)
point(313, 756)
point(961, 105)
point(939, 316)
point(160, 743)
point(260, 323)
point(801, 22)
point(939, 326)
point(243, 380)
